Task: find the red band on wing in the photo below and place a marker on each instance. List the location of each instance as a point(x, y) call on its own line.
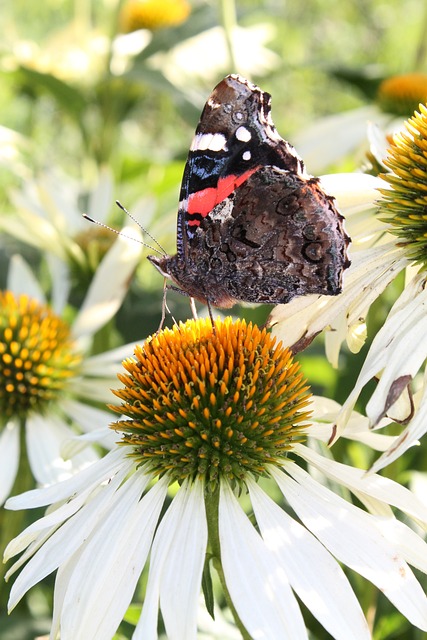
point(202, 202)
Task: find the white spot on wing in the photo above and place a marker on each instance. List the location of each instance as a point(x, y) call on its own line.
point(246, 155)
point(243, 134)
point(209, 141)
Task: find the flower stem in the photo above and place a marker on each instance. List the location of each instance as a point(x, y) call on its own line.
point(229, 22)
point(12, 522)
point(212, 504)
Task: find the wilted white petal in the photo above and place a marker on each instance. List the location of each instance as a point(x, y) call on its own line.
point(409, 436)
point(353, 537)
point(109, 284)
point(322, 425)
point(104, 577)
point(313, 573)
point(398, 350)
point(258, 585)
point(9, 457)
point(299, 321)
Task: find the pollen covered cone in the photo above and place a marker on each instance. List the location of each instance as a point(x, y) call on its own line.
point(404, 205)
point(37, 355)
point(211, 402)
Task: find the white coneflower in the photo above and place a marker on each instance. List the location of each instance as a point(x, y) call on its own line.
point(212, 410)
point(48, 380)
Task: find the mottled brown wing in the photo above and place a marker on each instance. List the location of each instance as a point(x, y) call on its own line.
point(278, 236)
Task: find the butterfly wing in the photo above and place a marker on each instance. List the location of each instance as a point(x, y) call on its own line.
point(252, 224)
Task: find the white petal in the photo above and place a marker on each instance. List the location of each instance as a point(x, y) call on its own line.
point(87, 417)
point(104, 578)
point(66, 540)
point(313, 573)
point(357, 480)
point(29, 226)
point(98, 390)
point(45, 437)
point(347, 130)
point(409, 544)
point(9, 458)
point(106, 363)
point(176, 566)
point(97, 473)
point(352, 191)
point(101, 196)
point(353, 537)
point(21, 280)
point(258, 586)
point(41, 529)
point(109, 284)
point(61, 282)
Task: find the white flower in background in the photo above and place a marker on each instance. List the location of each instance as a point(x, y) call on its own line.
point(48, 211)
point(48, 380)
point(204, 57)
point(211, 411)
point(331, 139)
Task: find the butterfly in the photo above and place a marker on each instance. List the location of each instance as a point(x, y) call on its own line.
point(253, 226)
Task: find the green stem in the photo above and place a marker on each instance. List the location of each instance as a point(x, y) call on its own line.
point(421, 51)
point(12, 522)
point(229, 22)
point(212, 504)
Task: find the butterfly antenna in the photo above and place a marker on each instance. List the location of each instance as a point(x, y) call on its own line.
point(162, 250)
point(120, 233)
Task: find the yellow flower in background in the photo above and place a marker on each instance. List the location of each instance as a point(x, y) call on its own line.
point(153, 14)
point(402, 94)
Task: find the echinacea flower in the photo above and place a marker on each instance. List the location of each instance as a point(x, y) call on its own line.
point(153, 14)
point(47, 215)
point(49, 382)
point(217, 413)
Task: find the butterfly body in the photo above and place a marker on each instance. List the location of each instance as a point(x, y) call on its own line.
point(253, 226)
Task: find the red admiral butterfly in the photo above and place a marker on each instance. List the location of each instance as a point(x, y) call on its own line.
point(253, 226)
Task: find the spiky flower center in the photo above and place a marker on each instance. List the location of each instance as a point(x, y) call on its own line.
point(404, 206)
point(36, 355)
point(402, 94)
point(153, 14)
point(211, 402)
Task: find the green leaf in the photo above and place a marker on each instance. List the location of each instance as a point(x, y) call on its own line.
point(68, 98)
point(207, 588)
point(366, 80)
